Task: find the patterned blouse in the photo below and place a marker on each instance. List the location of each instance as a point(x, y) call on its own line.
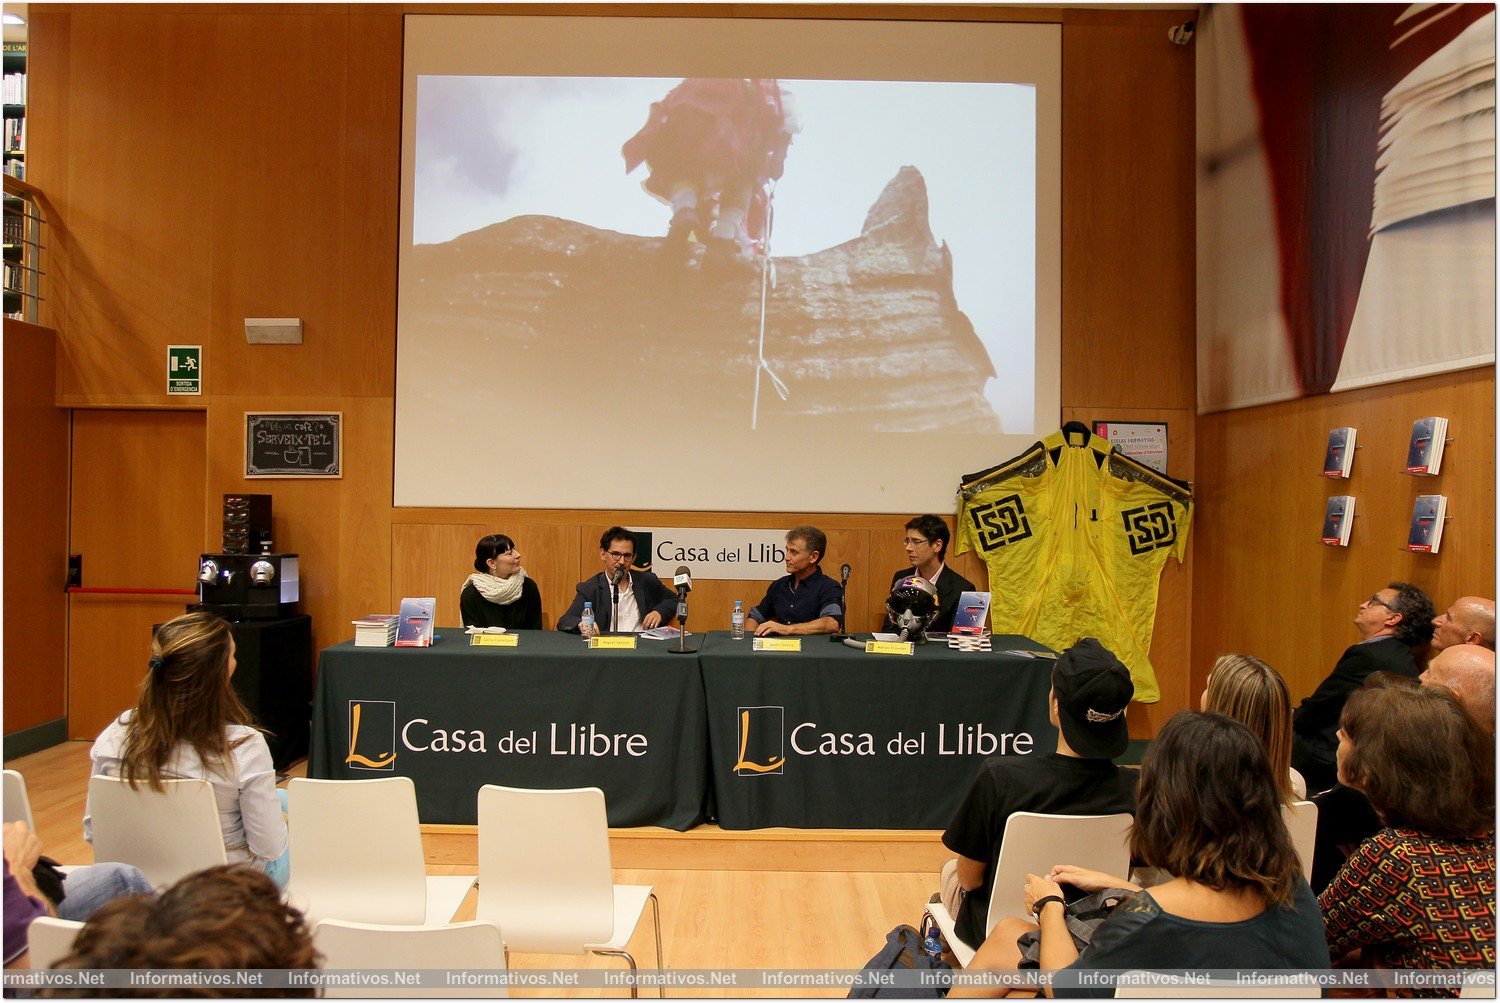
point(1419, 902)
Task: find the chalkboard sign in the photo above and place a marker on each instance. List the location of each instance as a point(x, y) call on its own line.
point(293, 444)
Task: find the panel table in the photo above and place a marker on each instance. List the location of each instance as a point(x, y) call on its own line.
point(548, 713)
point(837, 738)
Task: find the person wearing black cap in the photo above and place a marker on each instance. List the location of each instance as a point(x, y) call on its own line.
point(1090, 690)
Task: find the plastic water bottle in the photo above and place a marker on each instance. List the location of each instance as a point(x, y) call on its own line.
point(586, 622)
point(932, 943)
point(737, 621)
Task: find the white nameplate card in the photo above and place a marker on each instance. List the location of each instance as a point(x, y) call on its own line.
point(614, 642)
point(494, 640)
point(890, 648)
point(777, 644)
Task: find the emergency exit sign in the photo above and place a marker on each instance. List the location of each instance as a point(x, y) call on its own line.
point(184, 369)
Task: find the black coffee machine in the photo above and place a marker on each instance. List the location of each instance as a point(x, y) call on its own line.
point(247, 580)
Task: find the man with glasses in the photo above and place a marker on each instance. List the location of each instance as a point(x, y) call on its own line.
point(926, 544)
point(1391, 622)
point(626, 600)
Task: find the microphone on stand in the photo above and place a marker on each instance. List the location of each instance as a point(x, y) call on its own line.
point(843, 603)
point(614, 590)
point(682, 578)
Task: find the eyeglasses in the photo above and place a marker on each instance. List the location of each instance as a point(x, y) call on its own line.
point(1375, 600)
point(618, 556)
point(912, 541)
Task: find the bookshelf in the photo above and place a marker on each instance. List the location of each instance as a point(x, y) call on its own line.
point(13, 94)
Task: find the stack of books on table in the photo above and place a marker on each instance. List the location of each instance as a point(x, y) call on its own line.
point(378, 630)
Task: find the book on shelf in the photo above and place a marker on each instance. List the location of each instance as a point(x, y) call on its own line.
point(1338, 459)
point(1338, 520)
point(1425, 454)
point(375, 630)
point(971, 618)
point(1427, 517)
point(414, 629)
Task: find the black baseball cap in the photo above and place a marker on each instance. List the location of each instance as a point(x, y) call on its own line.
point(1092, 687)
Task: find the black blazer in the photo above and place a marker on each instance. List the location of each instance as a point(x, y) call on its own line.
point(650, 594)
point(1315, 722)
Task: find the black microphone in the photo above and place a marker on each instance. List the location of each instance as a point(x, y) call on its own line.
point(844, 570)
point(683, 579)
point(614, 590)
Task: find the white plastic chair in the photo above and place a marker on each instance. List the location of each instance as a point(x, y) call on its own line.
point(1034, 843)
point(1135, 986)
point(545, 875)
point(1301, 819)
point(17, 804)
point(168, 834)
point(472, 945)
point(357, 855)
point(49, 940)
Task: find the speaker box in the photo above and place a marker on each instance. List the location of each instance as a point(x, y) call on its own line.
point(273, 676)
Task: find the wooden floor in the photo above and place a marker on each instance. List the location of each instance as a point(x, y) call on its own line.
point(783, 898)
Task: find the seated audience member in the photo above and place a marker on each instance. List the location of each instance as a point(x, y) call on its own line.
point(804, 601)
point(224, 917)
point(190, 724)
point(83, 889)
point(1469, 671)
point(1420, 893)
point(1090, 690)
point(1254, 694)
point(498, 593)
point(926, 546)
point(1391, 622)
point(1470, 620)
point(1208, 810)
point(644, 602)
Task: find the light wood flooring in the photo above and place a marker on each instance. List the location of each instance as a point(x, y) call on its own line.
point(782, 898)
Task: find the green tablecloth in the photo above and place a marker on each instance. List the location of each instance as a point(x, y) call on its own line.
point(833, 737)
point(548, 713)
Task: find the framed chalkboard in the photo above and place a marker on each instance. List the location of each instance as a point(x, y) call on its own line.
point(293, 444)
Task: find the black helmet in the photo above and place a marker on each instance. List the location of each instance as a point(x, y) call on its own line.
point(912, 605)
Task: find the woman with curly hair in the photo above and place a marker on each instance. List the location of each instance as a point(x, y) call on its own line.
point(188, 723)
point(221, 918)
point(1420, 893)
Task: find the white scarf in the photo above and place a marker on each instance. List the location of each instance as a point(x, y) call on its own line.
point(500, 591)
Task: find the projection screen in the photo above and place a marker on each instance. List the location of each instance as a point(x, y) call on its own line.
point(631, 278)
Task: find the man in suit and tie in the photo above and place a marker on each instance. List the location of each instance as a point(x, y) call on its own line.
point(626, 599)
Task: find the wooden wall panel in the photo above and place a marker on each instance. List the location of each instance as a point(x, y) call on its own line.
point(36, 530)
point(136, 198)
point(137, 501)
point(1267, 585)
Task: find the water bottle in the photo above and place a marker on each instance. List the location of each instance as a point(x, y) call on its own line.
point(586, 622)
point(737, 621)
point(932, 942)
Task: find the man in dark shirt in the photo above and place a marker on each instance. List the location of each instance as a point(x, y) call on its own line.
point(926, 544)
point(1392, 622)
point(1090, 689)
point(805, 601)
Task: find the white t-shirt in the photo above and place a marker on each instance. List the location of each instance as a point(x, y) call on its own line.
point(249, 810)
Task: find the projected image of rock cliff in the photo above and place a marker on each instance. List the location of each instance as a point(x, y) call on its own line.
point(759, 255)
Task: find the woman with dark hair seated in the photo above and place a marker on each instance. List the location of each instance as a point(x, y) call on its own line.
point(1209, 811)
point(1420, 893)
point(498, 593)
point(221, 918)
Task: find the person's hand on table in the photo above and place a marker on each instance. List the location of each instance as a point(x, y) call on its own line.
point(771, 629)
point(651, 620)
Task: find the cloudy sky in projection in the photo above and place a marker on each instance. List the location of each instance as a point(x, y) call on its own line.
point(492, 148)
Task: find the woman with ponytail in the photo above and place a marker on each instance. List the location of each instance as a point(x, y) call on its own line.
point(188, 724)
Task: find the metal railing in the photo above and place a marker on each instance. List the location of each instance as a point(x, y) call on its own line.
point(25, 220)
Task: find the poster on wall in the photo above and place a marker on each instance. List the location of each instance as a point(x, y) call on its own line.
point(294, 444)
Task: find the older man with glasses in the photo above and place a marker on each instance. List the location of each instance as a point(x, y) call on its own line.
point(626, 600)
point(1391, 623)
point(926, 544)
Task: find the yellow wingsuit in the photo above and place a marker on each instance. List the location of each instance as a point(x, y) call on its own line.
point(1075, 534)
